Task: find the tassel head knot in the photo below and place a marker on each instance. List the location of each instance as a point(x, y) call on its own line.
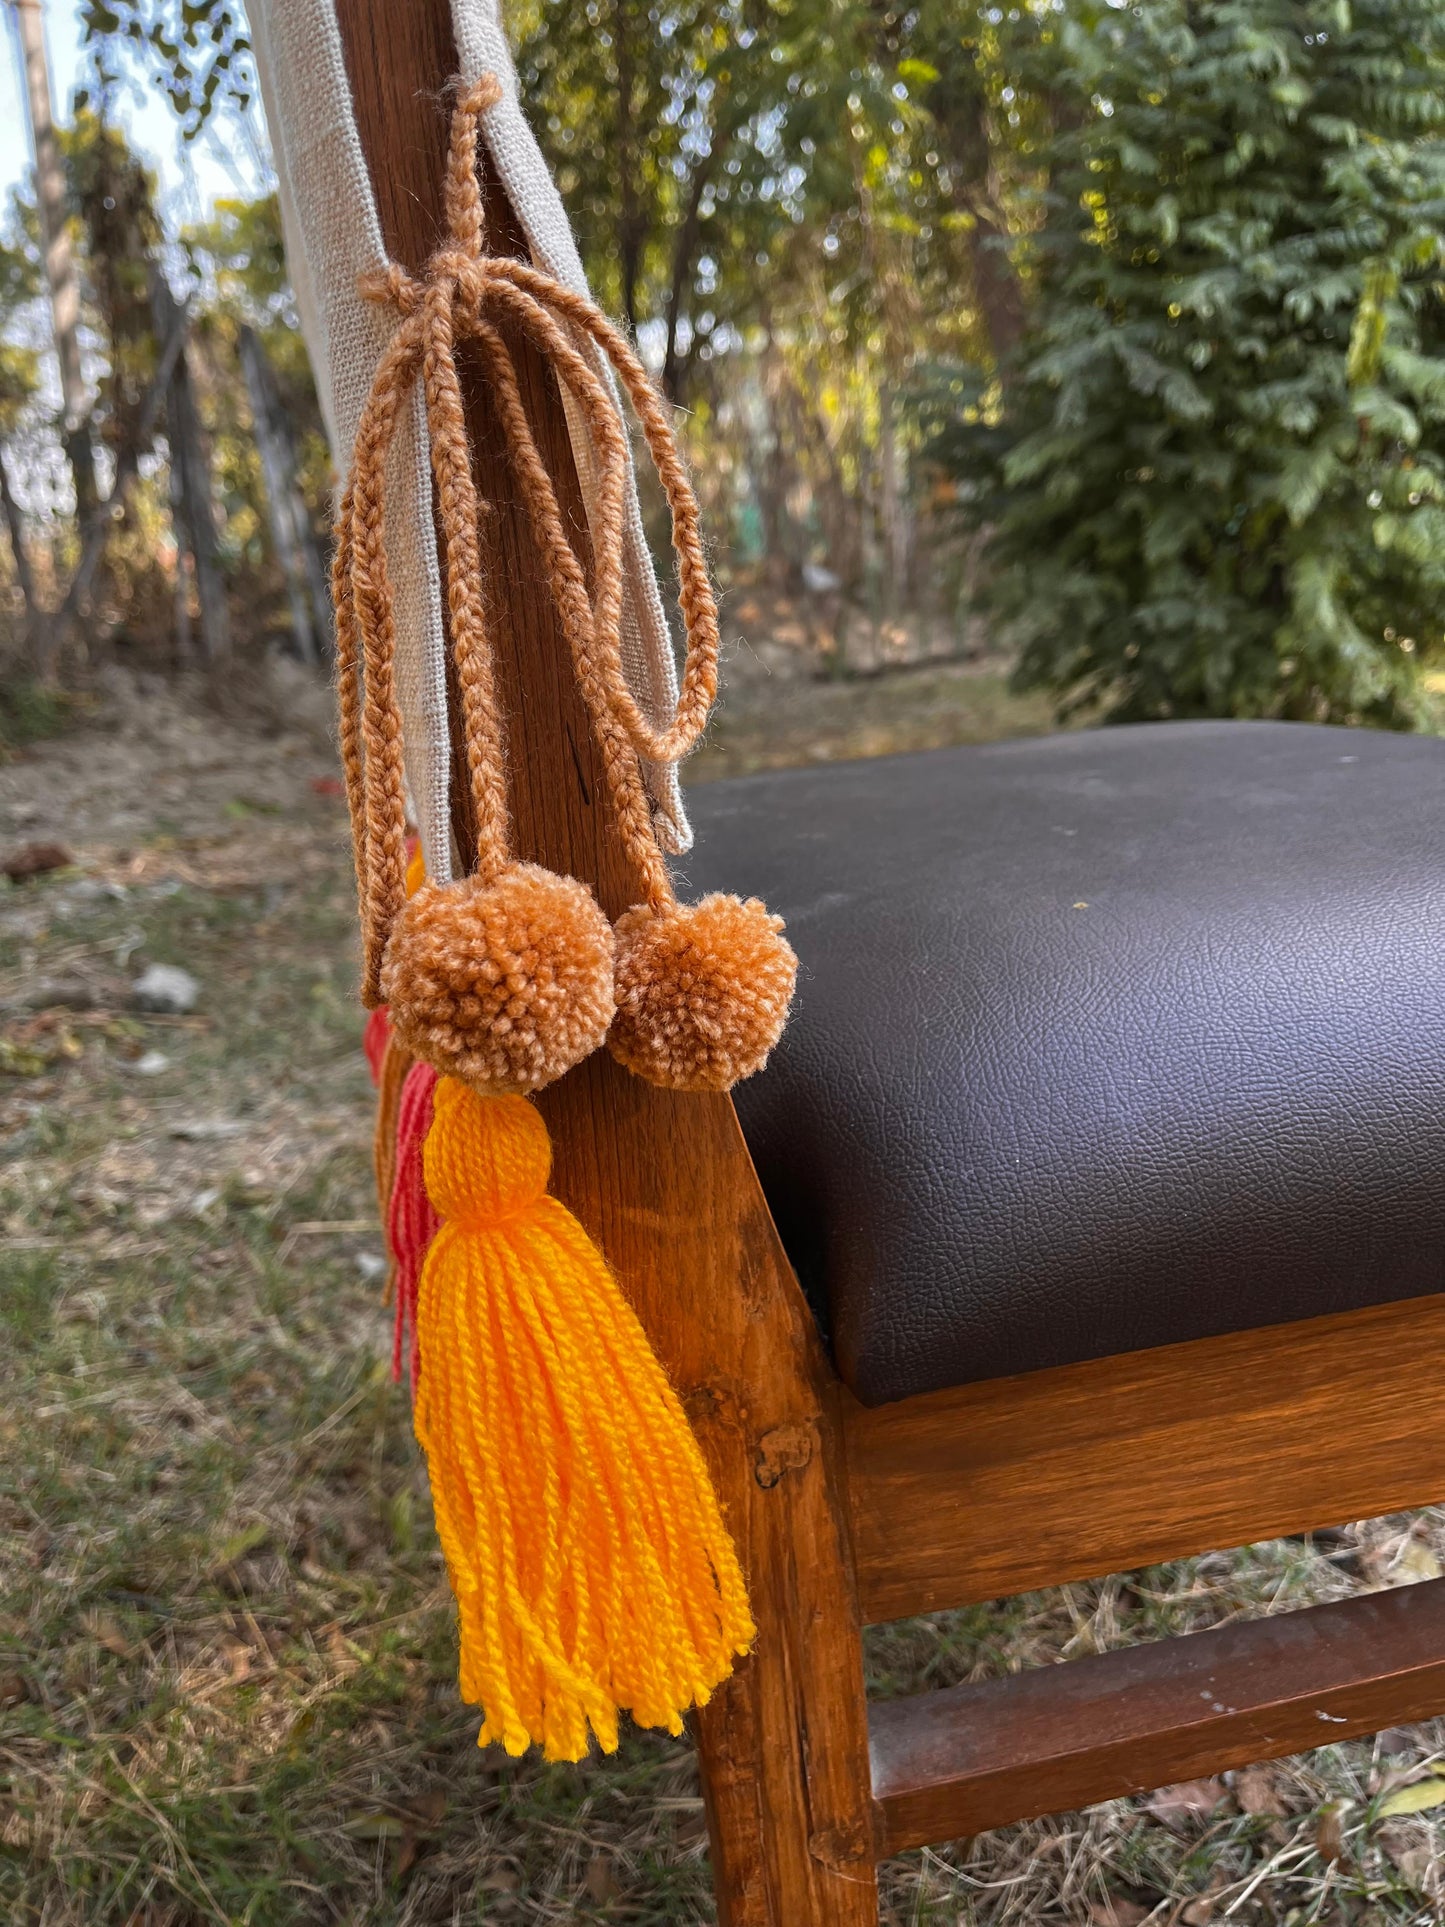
point(487, 1159)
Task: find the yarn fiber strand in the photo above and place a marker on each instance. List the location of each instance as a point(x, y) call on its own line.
point(411, 1223)
point(590, 1562)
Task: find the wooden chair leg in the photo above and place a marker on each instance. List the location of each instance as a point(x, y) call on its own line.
point(784, 1744)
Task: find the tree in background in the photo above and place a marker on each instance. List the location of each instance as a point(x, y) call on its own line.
point(136, 313)
point(273, 460)
point(1151, 290)
point(203, 405)
point(58, 256)
point(799, 205)
point(804, 208)
point(198, 50)
point(19, 382)
point(1219, 488)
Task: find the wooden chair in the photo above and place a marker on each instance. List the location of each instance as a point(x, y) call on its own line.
point(847, 1515)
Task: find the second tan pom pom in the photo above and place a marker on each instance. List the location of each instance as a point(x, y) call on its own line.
point(702, 992)
point(504, 985)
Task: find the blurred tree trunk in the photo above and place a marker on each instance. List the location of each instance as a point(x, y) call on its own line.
point(675, 366)
point(1000, 297)
point(191, 458)
point(60, 273)
point(961, 111)
point(107, 514)
point(35, 620)
point(632, 223)
point(892, 506)
point(769, 468)
point(185, 641)
point(291, 530)
point(838, 509)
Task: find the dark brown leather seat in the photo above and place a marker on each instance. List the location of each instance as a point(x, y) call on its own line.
point(1101, 1040)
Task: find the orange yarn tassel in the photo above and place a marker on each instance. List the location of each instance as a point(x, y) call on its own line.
point(590, 1562)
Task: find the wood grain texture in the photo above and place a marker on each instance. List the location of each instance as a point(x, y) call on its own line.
point(662, 1181)
point(1067, 1474)
point(1063, 1737)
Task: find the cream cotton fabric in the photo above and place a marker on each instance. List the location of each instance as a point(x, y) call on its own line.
point(332, 236)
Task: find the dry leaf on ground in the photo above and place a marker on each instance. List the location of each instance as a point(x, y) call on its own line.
point(1203, 1909)
point(1116, 1910)
point(1413, 1857)
point(1330, 1832)
point(1418, 1797)
point(34, 860)
point(1257, 1791)
point(1418, 1562)
point(1182, 1807)
point(601, 1880)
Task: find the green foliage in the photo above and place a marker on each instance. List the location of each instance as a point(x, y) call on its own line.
point(31, 711)
point(244, 243)
point(199, 50)
point(797, 203)
point(707, 154)
point(19, 381)
point(19, 362)
point(1220, 485)
point(730, 161)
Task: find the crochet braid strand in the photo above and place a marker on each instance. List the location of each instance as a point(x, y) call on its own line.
point(451, 298)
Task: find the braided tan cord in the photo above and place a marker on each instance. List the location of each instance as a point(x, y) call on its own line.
point(535, 300)
point(457, 502)
point(569, 591)
point(460, 285)
point(348, 688)
point(384, 784)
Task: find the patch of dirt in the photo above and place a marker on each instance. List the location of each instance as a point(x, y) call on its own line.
point(153, 762)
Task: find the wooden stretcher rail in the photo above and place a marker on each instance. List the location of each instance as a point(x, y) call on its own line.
point(1066, 1474)
point(1062, 1737)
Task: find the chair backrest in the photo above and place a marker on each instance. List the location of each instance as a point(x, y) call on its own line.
point(626, 1154)
point(662, 1179)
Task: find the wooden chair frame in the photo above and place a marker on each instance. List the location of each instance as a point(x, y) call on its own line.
point(846, 1516)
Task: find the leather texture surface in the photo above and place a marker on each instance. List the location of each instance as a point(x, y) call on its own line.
point(1101, 1040)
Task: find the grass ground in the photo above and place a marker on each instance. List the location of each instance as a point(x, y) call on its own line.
point(226, 1644)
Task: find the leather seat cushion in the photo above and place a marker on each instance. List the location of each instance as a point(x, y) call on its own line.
point(1101, 1041)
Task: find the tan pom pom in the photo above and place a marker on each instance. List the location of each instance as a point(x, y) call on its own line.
point(702, 992)
point(504, 985)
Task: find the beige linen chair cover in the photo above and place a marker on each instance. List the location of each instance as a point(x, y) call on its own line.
point(333, 235)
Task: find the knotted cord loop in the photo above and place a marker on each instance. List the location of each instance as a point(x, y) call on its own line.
point(464, 293)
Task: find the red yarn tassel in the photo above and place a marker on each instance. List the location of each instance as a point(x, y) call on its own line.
point(374, 1040)
point(411, 1221)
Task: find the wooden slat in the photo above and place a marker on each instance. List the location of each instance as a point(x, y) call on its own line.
point(996, 1488)
point(662, 1180)
point(1062, 1737)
